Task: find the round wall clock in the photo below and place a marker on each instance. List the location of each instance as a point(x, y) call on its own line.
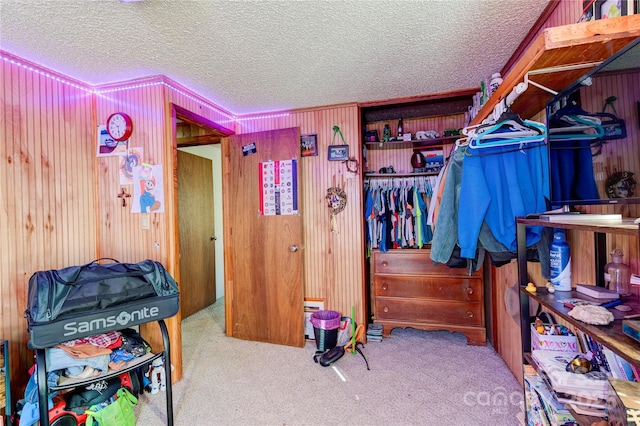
point(119, 126)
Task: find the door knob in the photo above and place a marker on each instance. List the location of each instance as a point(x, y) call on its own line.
point(213, 238)
point(293, 248)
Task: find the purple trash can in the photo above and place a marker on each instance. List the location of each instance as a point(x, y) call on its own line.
point(325, 329)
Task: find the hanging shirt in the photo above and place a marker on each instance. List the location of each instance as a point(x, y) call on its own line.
point(499, 184)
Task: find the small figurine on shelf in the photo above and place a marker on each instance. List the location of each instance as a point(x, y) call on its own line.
point(400, 129)
point(386, 133)
point(158, 376)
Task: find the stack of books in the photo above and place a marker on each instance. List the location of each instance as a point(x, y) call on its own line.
point(597, 292)
point(374, 333)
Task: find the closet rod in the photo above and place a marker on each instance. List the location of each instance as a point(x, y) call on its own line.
point(520, 88)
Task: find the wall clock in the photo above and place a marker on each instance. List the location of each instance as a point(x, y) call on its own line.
point(119, 126)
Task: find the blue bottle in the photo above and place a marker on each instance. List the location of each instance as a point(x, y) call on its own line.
point(560, 262)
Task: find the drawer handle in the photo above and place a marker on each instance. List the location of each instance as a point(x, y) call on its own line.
point(386, 309)
point(469, 314)
point(385, 286)
point(385, 263)
point(469, 290)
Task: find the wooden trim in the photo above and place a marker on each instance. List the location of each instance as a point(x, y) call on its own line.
point(420, 98)
point(535, 30)
point(45, 71)
point(572, 44)
point(198, 120)
point(228, 263)
point(260, 115)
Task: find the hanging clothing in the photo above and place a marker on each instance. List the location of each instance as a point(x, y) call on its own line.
point(396, 211)
point(499, 184)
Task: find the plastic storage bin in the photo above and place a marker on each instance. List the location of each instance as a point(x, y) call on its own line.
point(553, 343)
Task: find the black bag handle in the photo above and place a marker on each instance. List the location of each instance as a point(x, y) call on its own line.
point(141, 271)
point(80, 269)
point(103, 258)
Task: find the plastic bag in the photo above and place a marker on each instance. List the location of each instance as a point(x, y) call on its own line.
point(118, 413)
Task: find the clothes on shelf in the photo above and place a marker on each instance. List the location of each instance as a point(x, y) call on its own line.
point(396, 212)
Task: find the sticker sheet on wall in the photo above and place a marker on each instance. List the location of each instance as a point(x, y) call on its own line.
point(148, 192)
point(127, 162)
point(107, 146)
point(278, 187)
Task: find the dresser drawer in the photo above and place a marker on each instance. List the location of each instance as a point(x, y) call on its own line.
point(464, 289)
point(412, 262)
point(427, 311)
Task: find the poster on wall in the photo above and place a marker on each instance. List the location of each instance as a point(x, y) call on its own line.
point(148, 192)
point(127, 162)
point(107, 146)
point(278, 187)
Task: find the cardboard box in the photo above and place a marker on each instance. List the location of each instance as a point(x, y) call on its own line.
point(553, 343)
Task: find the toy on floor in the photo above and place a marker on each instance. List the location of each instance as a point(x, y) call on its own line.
point(157, 376)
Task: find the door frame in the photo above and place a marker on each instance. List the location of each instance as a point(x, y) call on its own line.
point(216, 133)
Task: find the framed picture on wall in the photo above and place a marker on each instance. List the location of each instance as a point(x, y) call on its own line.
point(610, 8)
point(338, 152)
point(308, 145)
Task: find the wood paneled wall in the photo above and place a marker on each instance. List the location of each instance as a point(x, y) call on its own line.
point(333, 261)
point(59, 202)
point(120, 234)
point(47, 190)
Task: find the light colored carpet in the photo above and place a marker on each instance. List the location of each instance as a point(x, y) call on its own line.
point(416, 378)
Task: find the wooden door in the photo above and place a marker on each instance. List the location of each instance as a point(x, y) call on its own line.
point(197, 232)
point(263, 260)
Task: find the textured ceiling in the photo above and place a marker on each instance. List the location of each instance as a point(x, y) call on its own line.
point(258, 56)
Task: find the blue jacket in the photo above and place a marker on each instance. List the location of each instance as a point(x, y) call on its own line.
point(498, 184)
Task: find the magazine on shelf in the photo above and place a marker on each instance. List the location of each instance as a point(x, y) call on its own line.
point(589, 411)
point(567, 398)
point(591, 385)
point(555, 411)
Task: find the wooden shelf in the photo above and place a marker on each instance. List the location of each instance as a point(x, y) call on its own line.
point(610, 335)
point(69, 382)
point(576, 44)
point(625, 227)
point(414, 143)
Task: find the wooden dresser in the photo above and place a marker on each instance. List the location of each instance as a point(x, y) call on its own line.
point(408, 290)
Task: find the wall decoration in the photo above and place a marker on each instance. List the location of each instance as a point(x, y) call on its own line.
point(123, 195)
point(148, 189)
point(107, 146)
point(128, 161)
point(309, 145)
point(249, 149)
point(336, 201)
point(338, 152)
point(278, 182)
point(610, 8)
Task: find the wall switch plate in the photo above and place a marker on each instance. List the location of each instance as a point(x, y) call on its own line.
point(144, 221)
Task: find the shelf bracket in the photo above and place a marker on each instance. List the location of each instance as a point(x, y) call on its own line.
point(520, 88)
